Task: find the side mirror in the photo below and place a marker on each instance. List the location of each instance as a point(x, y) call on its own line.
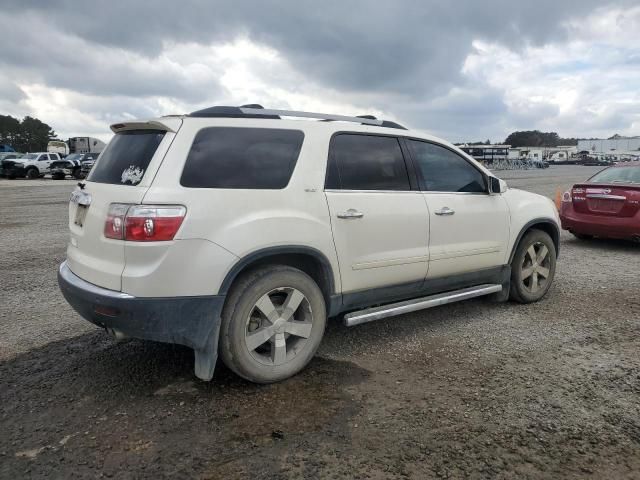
point(497, 185)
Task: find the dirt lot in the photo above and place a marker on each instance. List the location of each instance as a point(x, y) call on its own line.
point(470, 390)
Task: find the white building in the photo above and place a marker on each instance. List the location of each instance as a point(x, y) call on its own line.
point(602, 146)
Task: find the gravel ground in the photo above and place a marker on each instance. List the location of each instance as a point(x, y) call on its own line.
point(470, 390)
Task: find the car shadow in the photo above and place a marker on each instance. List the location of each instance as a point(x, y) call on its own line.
point(609, 244)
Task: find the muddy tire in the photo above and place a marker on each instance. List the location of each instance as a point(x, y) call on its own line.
point(272, 324)
point(533, 267)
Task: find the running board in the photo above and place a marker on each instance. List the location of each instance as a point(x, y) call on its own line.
point(393, 309)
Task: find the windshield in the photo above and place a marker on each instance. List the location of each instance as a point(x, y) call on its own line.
point(629, 174)
point(74, 156)
point(31, 156)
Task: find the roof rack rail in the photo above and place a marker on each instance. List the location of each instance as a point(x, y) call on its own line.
point(257, 111)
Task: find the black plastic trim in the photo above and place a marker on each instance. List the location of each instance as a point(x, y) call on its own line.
point(532, 223)
point(258, 255)
point(429, 286)
point(229, 112)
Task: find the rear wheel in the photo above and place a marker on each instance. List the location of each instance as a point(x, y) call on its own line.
point(57, 176)
point(272, 324)
point(77, 174)
point(32, 173)
point(533, 267)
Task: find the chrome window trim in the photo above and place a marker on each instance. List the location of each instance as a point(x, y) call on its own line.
point(337, 190)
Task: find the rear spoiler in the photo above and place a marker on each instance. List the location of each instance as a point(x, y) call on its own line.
point(168, 124)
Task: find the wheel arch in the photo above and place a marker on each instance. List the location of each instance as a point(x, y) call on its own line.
point(546, 225)
point(308, 259)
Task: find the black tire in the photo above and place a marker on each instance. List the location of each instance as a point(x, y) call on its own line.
point(32, 173)
point(57, 176)
point(582, 236)
point(77, 174)
point(241, 318)
point(529, 287)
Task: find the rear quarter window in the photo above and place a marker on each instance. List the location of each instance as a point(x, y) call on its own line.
point(247, 158)
point(126, 158)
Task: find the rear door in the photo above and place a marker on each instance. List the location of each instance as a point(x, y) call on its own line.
point(122, 176)
point(469, 228)
point(380, 224)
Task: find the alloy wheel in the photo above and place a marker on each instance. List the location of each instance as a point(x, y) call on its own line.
point(278, 326)
point(536, 267)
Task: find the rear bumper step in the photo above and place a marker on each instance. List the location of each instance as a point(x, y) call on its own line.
point(399, 308)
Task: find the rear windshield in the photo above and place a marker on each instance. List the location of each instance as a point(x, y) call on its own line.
point(618, 175)
point(256, 158)
point(127, 157)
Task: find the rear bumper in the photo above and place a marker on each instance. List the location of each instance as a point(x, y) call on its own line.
point(600, 225)
point(190, 321)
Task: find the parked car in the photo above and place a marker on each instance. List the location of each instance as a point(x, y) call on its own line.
point(70, 166)
point(88, 160)
point(233, 230)
point(30, 165)
point(607, 205)
point(76, 165)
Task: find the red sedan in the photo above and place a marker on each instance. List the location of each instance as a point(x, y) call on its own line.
point(607, 205)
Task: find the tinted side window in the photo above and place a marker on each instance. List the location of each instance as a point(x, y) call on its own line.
point(443, 170)
point(226, 157)
point(366, 162)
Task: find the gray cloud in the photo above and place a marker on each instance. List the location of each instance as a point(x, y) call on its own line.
point(404, 56)
point(410, 45)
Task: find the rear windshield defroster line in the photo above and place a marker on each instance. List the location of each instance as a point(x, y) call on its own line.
point(126, 158)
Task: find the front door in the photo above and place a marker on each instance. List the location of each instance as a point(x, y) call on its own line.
point(380, 225)
point(469, 227)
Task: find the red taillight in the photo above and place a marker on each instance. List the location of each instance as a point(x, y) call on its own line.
point(114, 226)
point(144, 223)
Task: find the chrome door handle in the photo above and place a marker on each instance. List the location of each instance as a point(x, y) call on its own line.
point(445, 211)
point(351, 213)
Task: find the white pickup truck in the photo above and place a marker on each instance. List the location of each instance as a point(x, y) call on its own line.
point(30, 165)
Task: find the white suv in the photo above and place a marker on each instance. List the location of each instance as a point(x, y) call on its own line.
point(235, 230)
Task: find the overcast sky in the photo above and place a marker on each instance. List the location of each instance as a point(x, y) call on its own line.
point(463, 70)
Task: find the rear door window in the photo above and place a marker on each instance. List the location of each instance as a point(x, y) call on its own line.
point(251, 158)
point(366, 162)
point(126, 158)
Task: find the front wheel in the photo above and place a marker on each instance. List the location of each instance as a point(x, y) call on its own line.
point(272, 324)
point(32, 173)
point(533, 267)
